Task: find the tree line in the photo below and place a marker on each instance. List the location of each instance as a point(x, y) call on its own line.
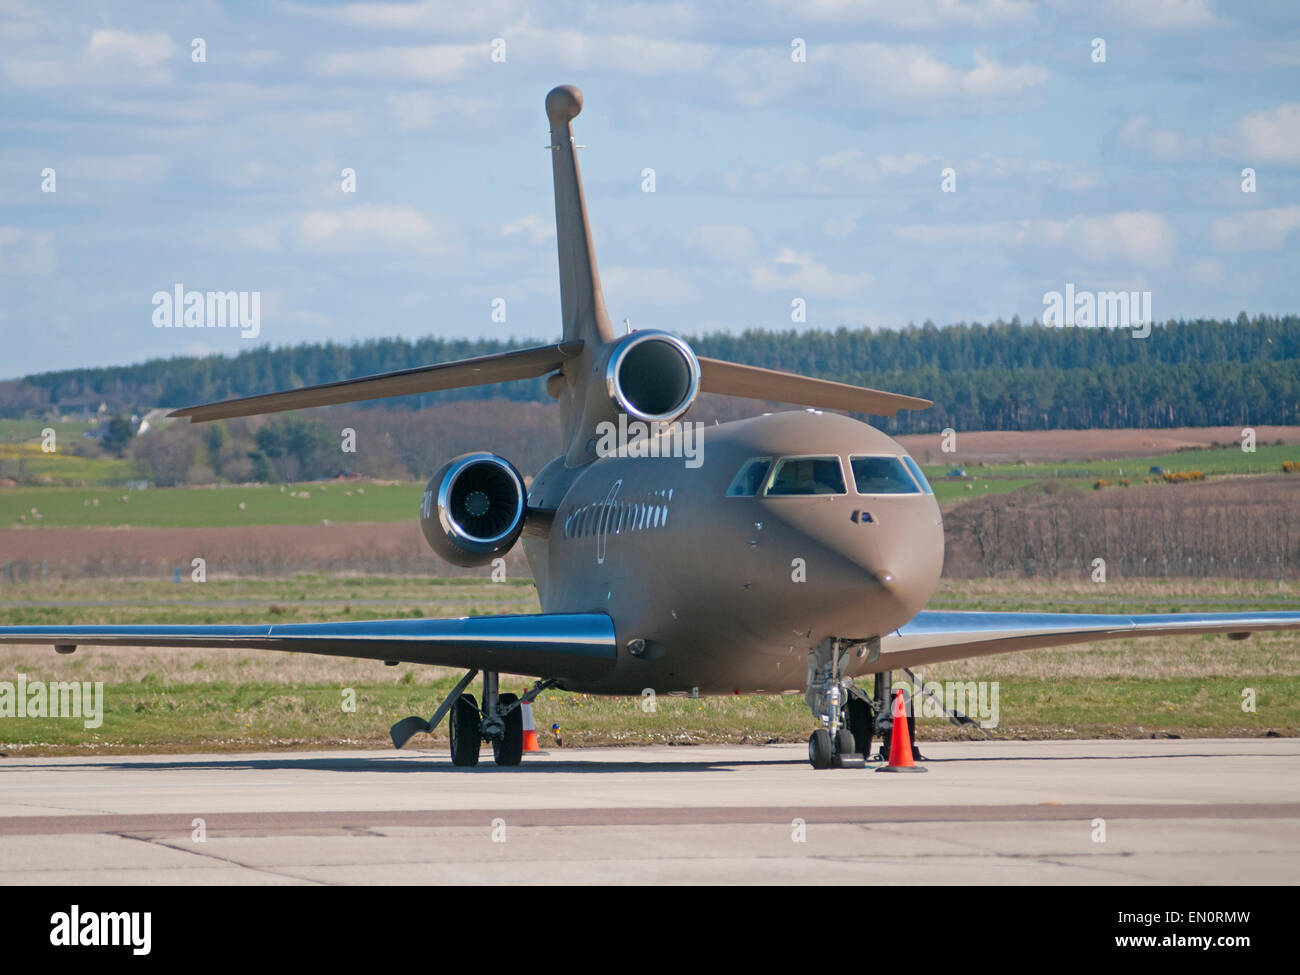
point(999, 376)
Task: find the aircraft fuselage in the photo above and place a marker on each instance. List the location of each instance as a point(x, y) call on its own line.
point(728, 594)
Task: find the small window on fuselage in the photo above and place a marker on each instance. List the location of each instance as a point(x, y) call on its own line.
point(882, 475)
point(749, 479)
point(807, 475)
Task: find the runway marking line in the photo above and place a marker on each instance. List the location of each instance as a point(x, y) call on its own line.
point(635, 816)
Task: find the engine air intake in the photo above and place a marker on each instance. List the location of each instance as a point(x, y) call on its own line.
point(652, 376)
point(473, 509)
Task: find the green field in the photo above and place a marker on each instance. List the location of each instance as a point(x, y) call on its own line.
point(181, 700)
point(1076, 475)
point(23, 431)
point(339, 501)
point(26, 462)
point(335, 501)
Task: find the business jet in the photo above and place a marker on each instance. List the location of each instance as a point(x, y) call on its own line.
point(798, 554)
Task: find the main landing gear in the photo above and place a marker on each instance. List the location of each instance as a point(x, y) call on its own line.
point(499, 721)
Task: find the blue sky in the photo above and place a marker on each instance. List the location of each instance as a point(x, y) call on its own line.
point(775, 179)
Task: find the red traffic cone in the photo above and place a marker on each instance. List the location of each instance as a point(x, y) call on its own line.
point(530, 729)
point(900, 743)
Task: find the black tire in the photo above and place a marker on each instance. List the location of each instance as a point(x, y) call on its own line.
point(510, 750)
point(819, 749)
point(859, 722)
point(845, 742)
point(466, 730)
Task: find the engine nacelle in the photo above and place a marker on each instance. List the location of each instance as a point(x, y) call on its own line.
point(652, 376)
point(473, 509)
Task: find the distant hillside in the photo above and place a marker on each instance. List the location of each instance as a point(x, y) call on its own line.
point(1004, 376)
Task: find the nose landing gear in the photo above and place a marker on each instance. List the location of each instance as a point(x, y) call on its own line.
point(845, 713)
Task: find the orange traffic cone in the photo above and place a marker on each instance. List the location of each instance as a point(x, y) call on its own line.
point(900, 743)
point(530, 730)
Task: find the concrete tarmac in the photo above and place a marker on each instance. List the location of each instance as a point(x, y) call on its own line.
point(1074, 813)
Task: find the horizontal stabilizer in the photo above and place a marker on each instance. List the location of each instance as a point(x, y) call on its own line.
point(481, 371)
point(753, 382)
point(937, 636)
point(573, 645)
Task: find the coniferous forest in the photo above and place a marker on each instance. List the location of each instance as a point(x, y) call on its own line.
point(1002, 376)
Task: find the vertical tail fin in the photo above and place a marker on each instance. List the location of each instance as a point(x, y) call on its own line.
point(581, 300)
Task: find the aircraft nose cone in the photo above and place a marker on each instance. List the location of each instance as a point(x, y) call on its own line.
point(563, 103)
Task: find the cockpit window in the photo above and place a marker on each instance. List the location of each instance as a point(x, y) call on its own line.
point(915, 468)
point(882, 475)
point(807, 475)
point(749, 478)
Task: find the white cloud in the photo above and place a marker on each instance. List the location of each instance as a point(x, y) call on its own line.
point(797, 272)
point(417, 111)
point(26, 253)
point(109, 57)
point(723, 243)
point(1139, 237)
point(1257, 230)
point(1263, 137)
point(841, 225)
point(140, 50)
point(914, 14)
point(852, 172)
point(1142, 136)
point(534, 226)
point(1160, 14)
point(429, 63)
point(263, 238)
point(368, 229)
point(910, 75)
point(137, 168)
point(1271, 136)
point(1206, 271)
point(438, 15)
point(646, 285)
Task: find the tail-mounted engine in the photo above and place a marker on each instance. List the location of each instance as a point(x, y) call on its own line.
point(652, 376)
point(473, 509)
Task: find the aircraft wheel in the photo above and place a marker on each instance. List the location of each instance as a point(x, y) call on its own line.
point(843, 745)
point(819, 749)
point(466, 730)
point(858, 721)
point(510, 749)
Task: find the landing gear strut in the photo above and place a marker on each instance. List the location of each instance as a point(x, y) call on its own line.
point(499, 721)
point(844, 711)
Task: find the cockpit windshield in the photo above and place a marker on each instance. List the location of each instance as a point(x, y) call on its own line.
point(807, 475)
point(749, 479)
point(882, 475)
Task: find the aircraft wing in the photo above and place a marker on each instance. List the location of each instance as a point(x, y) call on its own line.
point(936, 636)
point(573, 645)
point(499, 368)
point(754, 382)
